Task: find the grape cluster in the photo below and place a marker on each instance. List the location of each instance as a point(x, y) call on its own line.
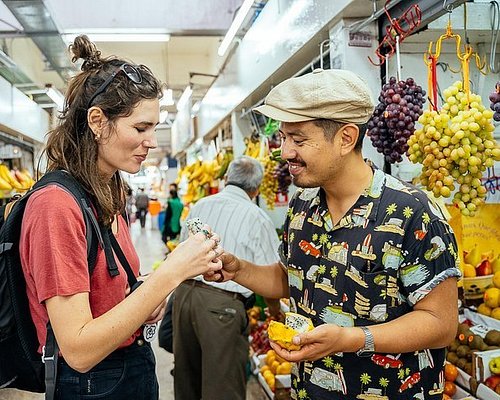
point(495, 102)
point(393, 120)
point(282, 175)
point(269, 185)
point(456, 144)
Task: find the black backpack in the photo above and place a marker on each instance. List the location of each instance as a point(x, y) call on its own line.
point(21, 365)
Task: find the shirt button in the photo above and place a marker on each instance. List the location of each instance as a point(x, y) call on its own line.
point(140, 342)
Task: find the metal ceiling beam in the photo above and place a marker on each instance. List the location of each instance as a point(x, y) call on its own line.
point(38, 24)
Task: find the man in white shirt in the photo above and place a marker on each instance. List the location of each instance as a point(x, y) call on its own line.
point(209, 319)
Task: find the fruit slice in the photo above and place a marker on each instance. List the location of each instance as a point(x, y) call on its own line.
point(298, 322)
point(283, 335)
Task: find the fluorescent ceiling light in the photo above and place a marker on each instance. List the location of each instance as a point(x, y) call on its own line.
point(56, 96)
point(6, 60)
point(235, 26)
point(122, 37)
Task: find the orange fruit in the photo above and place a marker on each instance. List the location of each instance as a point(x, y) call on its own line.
point(264, 368)
point(446, 397)
point(450, 388)
point(450, 372)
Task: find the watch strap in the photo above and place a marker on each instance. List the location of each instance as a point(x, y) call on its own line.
point(369, 348)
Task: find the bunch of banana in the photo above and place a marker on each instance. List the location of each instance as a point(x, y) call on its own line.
point(223, 159)
point(8, 180)
point(24, 178)
point(252, 147)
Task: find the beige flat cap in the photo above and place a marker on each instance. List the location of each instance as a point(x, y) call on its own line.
point(334, 94)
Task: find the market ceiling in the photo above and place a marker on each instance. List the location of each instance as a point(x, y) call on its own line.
point(181, 49)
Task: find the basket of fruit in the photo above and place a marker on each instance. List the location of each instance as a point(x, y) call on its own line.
point(475, 287)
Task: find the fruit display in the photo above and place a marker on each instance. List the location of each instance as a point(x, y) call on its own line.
point(282, 175)
point(456, 145)
point(479, 264)
point(18, 180)
point(393, 120)
point(202, 174)
point(450, 375)
point(495, 102)
point(274, 365)
point(269, 185)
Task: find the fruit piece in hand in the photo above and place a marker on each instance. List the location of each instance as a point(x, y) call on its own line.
point(283, 335)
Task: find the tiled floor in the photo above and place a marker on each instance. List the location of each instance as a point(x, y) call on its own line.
point(150, 249)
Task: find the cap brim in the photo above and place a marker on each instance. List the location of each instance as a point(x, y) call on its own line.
point(280, 115)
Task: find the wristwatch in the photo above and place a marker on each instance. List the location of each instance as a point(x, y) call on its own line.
point(369, 348)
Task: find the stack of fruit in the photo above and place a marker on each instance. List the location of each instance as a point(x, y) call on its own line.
point(460, 351)
point(493, 381)
point(450, 375)
point(480, 264)
point(274, 365)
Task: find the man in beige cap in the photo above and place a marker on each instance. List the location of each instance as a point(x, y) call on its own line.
point(367, 259)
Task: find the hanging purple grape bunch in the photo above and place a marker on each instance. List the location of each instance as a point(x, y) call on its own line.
point(495, 102)
point(393, 120)
point(282, 174)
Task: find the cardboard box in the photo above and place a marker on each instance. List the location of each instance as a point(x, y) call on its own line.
point(480, 360)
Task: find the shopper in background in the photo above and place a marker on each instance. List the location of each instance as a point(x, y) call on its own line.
point(173, 212)
point(154, 208)
point(382, 298)
point(142, 205)
point(129, 203)
point(107, 126)
point(209, 319)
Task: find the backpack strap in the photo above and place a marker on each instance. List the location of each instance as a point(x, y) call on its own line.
point(93, 233)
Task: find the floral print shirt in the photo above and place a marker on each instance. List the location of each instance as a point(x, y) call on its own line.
point(387, 253)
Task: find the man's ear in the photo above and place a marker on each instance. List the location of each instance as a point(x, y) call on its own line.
point(97, 120)
point(349, 134)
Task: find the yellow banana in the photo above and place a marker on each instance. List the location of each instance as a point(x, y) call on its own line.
point(4, 185)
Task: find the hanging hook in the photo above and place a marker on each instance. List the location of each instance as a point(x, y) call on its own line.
point(447, 7)
point(495, 26)
point(321, 51)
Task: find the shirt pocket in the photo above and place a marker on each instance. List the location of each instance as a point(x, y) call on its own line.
point(368, 296)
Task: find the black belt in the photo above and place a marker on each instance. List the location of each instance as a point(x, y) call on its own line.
point(234, 295)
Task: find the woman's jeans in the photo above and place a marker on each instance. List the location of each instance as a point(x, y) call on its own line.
point(127, 373)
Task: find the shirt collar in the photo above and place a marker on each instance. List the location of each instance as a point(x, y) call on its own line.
point(236, 191)
point(366, 206)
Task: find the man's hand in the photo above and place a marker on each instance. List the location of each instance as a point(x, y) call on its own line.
point(230, 267)
point(316, 344)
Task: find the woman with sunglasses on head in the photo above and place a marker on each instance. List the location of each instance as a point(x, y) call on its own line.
point(107, 126)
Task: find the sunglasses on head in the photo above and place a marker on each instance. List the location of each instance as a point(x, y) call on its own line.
point(129, 70)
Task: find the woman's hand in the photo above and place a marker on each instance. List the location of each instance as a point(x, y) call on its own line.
point(316, 344)
point(195, 256)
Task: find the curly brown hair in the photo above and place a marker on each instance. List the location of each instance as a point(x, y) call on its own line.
point(71, 145)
